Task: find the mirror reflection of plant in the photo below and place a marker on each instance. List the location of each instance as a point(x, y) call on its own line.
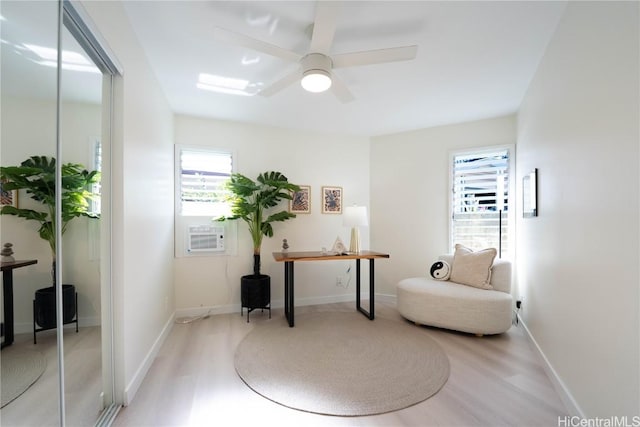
point(36, 176)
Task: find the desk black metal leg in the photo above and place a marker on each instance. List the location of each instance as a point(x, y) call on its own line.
point(358, 285)
point(371, 291)
point(7, 285)
point(288, 292)
point(370, 314)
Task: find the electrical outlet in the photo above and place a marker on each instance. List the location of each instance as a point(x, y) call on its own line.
point(339, 281)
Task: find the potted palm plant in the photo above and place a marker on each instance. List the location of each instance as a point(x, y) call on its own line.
point(36, 176)
point(253, 202)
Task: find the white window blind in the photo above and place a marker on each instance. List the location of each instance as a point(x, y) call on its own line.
point(480, 199)
point(202, 175)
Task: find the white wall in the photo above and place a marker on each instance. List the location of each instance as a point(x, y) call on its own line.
point(306, 158)
point(142, 203)
point(28, 129)
point(578, 261)
point(581, 101)
point(410, 192)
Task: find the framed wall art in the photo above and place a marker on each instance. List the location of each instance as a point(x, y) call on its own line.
point(8, 197)
point(332, 200)
point(301, 202)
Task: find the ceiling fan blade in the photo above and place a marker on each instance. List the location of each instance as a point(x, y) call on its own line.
point(278, 85)
point(340, 89)
point(378, 56)
point(238, 39)
point(324, 26)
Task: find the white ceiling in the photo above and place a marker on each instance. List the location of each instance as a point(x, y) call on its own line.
point(475, 59)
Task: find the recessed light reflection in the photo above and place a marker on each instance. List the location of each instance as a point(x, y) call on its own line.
point(228, 85)
point(246, 60)
point(48, 57)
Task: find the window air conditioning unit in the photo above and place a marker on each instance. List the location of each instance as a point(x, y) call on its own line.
point(205, 238)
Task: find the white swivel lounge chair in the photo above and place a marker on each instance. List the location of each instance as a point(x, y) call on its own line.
point(451, 305)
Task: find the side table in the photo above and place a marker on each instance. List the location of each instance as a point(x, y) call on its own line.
point(7, 289)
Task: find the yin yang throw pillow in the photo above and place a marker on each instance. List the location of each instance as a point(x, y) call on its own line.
point(440, 270)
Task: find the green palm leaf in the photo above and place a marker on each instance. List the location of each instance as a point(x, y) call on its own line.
point(36, 176)
point(250, 200)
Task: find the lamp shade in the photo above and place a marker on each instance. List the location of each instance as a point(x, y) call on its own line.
point(355, 216)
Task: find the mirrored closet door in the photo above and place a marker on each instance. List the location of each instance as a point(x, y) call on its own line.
point(28, 128)
point(80, 134)
point(57, 107)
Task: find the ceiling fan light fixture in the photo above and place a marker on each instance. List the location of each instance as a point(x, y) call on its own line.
point(316, 72)
point(316, 80)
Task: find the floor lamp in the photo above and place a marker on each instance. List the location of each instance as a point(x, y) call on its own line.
point(354, 217)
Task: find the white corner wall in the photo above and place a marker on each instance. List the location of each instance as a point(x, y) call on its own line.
point(306, 158)
point(410, 192)
point(578, 261)
point(142, 203)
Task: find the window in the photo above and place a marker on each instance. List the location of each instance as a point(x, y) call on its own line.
point(96, 163)
point(201, 175)
point(95, 204)
point(481, 202)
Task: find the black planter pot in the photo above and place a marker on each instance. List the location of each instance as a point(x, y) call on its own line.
point(255, 292)
point(44, 308)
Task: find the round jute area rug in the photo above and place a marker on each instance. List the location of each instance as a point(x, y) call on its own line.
point(20, 369)
point(341, 363)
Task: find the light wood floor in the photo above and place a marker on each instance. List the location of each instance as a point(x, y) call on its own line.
point(494, 381)
point(38, 406)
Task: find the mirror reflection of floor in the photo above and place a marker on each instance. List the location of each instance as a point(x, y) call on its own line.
point(83, 381)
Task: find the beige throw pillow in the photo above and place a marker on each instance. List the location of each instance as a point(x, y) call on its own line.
point(472, 268)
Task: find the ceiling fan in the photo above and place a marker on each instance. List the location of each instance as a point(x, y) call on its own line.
point(315, 71)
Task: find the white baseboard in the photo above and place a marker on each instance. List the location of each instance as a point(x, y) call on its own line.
point(201, 311)
point(89, 321)
point(27, 328)
point(235, 308)
point(332, 299)
point(387, 298)
point(132, 388)
point(559, 385)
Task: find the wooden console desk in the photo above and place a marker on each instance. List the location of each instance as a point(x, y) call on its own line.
point(290, 257)
point(7, 288)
